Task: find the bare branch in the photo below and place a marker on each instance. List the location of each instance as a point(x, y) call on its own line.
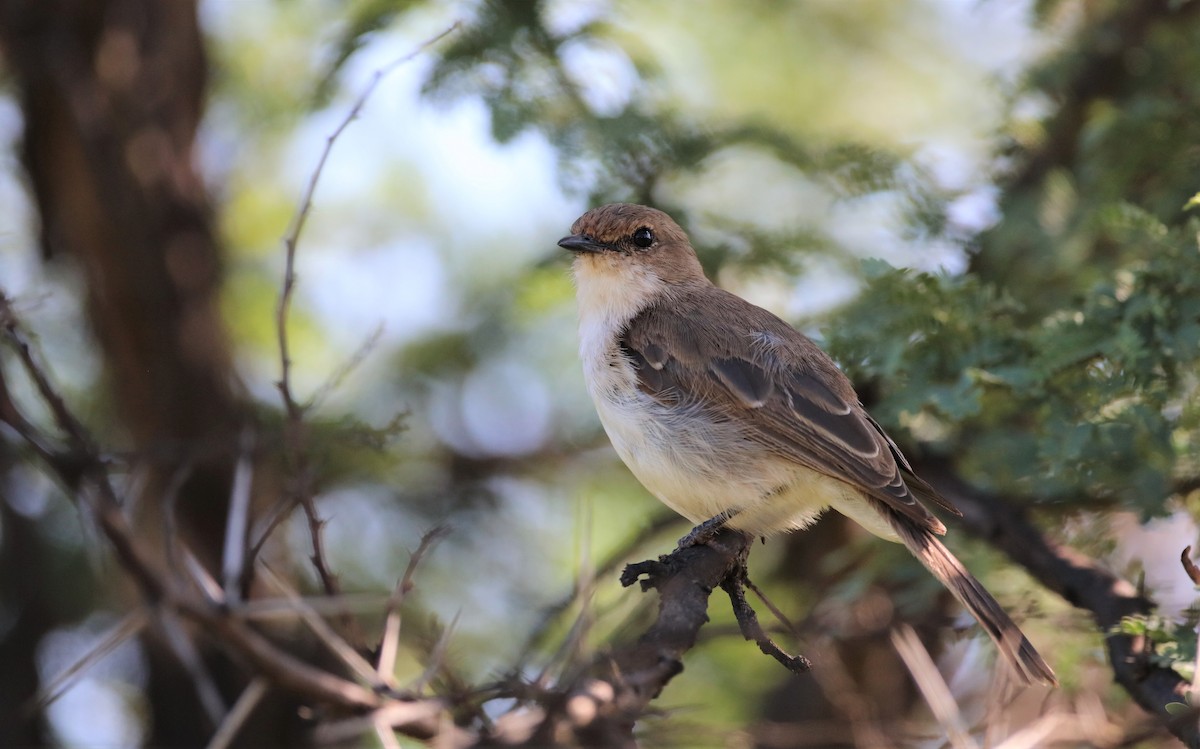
point(436, 658)
point(389, 645)
point(208, 586)
point(1080, 580)
point(933, 687)
point(186, 653)
point(268, 609)
point(1189, 566)
point(238, 520)
point(292, 238)
point(246, 702)
point(85, 473)
point(752, 630)
point(281, 667)
point(66, 421)
point(338, 646)
point(619, 556)
point(129, 626)
point(347, 367)
point(295, 436)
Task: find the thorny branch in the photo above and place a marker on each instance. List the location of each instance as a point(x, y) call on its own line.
point(98, 497)
point(600, 708)
point(735, 586)
point(295, 437)
point(1081, 581)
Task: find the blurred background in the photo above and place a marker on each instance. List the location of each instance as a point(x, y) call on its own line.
point(981, 208)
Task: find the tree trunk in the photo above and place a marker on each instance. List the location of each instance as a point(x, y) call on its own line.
point(112, 93)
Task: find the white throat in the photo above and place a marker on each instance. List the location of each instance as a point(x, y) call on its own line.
point(611, 291)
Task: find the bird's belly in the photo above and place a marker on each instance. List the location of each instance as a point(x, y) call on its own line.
point(702, 467)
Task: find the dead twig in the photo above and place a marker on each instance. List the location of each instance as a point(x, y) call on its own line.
point(121, 632)
point(246, 702)
point(238, 520)
point(1189, 566)
point(1080, 580)
point(751, 630)
point(295, 436)
point(933, 687)
point(551, 614)
point(291, 238)
point(389, 644)
point(436, 658)
point(336, 645)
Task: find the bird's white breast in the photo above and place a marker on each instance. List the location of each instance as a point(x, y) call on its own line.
point(697, 466)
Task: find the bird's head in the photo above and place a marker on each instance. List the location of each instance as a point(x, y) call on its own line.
point(626, 243)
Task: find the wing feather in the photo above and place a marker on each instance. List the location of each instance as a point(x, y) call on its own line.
point(778, 387)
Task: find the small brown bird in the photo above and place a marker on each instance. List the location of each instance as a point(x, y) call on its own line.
point(731, 417)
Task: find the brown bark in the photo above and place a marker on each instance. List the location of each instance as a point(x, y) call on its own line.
point(33, 613)
point(112, 93)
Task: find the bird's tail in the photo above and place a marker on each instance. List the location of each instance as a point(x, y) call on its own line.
point(1027, 665)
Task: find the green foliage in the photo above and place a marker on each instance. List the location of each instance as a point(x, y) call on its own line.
point(512, 58)
point(1093, 392)
point(362, 19)
point(1169, 644)
point(1056, 362)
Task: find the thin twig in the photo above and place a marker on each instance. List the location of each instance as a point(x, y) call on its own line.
point(238, 520)
point(389, 645)
point(268, 523)
point(295, 411)
point(240, 713)
point(268, 609)
point(85, 474)
point(323, 631)
point(283, 668)
point(584, 592)
point(347, 367)
point(129, 626)
point(316, 526)
point(206, 583)
point(934, 688)
point(66, 421)
point(775, 610)
point(186, 653)
point(751, 629)
point(436, 657)
point(585, 584)
point(387, 737)
point(292, 238)
point(618, 557)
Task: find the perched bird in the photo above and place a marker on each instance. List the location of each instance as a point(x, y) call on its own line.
point(730, 416)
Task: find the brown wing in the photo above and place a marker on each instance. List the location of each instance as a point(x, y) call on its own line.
point(776, 385)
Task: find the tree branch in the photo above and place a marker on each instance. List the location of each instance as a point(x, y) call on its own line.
point(1101, 71)
point(1080, 580)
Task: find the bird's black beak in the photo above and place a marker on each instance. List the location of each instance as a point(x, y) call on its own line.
point(580, 243)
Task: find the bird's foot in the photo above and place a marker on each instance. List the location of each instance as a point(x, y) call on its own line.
point(705, 532)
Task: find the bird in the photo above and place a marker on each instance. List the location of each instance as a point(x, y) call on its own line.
point(733, 418)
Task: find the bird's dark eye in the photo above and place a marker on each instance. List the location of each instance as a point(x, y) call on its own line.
point(643, 237)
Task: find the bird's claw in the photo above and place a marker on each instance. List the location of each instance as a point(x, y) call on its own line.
point(704, 532)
